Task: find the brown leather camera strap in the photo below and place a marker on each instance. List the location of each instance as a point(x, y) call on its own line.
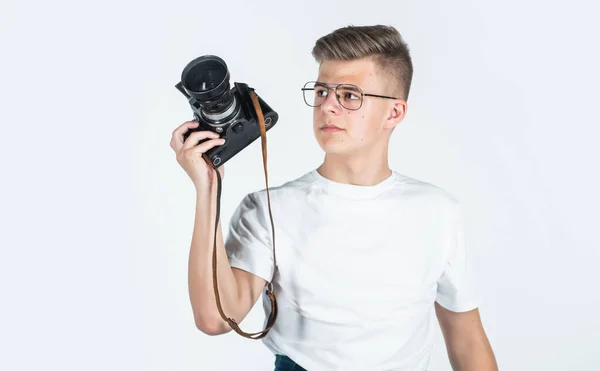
point(270, 292)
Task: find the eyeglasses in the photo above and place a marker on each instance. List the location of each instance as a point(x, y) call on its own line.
point(349, 96)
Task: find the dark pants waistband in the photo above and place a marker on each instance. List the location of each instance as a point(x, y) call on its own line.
point(285, 363)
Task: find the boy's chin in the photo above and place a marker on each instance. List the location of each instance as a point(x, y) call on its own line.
point(331, 148)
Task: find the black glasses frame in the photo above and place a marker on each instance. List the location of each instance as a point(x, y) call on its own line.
point(337, 97)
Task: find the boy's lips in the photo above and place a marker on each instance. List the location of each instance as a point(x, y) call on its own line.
point(330, 127)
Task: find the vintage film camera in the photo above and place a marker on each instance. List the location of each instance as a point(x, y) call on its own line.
point(230, 113)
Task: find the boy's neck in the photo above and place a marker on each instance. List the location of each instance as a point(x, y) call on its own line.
point(357, 170)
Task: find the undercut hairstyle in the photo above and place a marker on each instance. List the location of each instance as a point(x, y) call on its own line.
point(382, 43)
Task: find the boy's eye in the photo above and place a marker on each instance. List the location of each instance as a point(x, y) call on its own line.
point(320, 92)
point(350, 96)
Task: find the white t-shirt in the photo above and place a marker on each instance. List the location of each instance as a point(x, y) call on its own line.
point(359, 269)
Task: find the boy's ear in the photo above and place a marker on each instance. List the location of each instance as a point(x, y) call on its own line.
point(397, 113)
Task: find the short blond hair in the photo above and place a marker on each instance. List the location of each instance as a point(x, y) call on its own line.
point(382, 43)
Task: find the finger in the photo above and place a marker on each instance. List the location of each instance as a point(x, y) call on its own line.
point(177, 137)
point(197, 136)
point(205, 146)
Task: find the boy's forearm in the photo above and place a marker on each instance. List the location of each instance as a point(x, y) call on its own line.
point(200, 270)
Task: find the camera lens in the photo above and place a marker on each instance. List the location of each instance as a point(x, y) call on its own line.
point(207, 79)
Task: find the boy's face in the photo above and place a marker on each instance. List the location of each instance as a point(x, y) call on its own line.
point(362, 130)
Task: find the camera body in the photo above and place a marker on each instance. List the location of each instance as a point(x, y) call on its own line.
point(227, 112)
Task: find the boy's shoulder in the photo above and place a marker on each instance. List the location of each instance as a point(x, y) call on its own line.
point(419, 187)
point(298, 184)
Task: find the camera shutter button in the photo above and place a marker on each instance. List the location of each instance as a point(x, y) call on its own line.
point(237, 128)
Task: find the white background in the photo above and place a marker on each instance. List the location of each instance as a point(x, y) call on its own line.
point(97, 214)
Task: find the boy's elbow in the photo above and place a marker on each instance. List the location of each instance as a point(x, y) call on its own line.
point(212, 328)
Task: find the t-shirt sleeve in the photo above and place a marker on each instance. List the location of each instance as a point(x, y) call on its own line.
point(248, 243)
point(456, 287)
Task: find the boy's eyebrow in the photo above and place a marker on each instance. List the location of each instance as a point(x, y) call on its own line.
point(350, 86)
